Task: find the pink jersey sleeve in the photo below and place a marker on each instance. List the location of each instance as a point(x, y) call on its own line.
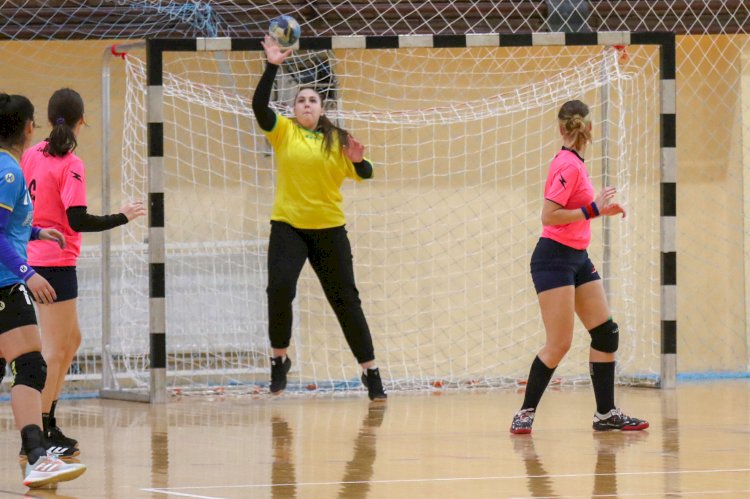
point(562, 183)
point(73, 184)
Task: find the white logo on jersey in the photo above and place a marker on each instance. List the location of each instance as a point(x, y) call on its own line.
point(10, 178)
point(23, 268)
point(2, 305)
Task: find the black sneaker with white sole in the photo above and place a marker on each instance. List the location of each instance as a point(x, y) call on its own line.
point(55, 436)
point(62, 452)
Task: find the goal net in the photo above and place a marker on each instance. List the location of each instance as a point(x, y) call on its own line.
point(461, 139)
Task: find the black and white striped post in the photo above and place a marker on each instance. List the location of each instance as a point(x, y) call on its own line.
point(156, 269)
point(154, 53)
point(668, 211)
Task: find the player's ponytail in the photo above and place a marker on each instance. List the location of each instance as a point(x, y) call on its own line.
point(64, 112)
point(15, 112)
point(574, 118)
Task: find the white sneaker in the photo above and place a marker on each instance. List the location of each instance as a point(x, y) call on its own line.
point(50, 469)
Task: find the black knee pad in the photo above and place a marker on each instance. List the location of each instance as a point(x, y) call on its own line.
point(30, 370)
point(605, 337)
point(2, 369)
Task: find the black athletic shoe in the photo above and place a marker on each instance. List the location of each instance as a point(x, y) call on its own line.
point(278, 373)
point(62, 452)
point(522, 421)
point(55, 436)
point(374, 384)
point(616, 420)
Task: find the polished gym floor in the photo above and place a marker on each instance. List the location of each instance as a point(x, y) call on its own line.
point(431, 445)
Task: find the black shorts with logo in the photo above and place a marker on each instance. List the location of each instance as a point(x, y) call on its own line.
point(16, 307)
point(554, 265)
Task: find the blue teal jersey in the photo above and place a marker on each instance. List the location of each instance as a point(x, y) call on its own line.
point(14, 197)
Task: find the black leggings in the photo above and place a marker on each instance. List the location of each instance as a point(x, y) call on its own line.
point(330, 255)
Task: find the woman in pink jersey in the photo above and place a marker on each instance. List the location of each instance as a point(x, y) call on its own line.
point(566, 281)
point(57, 183)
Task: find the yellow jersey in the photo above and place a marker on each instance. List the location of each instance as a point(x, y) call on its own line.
point(308, 181)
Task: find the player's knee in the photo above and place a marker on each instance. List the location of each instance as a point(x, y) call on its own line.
point(605, 337)
point(30, 370)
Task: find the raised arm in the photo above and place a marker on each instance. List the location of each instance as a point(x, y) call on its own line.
point(263, 114)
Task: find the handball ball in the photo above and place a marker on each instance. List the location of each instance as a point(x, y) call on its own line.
point(285, 30)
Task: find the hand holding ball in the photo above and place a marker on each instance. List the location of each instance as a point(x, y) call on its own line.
point(284, 30)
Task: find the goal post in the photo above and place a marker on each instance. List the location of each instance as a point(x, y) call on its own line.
point(441, 237)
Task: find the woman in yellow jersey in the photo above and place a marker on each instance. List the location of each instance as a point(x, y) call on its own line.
point(313, 157)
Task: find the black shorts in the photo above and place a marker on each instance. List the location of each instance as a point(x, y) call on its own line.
point(16, 307)
point(554, 265)
point(63, 280)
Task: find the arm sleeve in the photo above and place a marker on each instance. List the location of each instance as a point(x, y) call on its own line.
point(363, 168)
point(263, 114)
point(8, 255)
point(81, 221)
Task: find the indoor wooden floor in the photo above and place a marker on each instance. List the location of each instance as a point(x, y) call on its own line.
point(442, 445)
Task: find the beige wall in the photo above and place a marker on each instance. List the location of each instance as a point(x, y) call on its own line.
point(711, 199)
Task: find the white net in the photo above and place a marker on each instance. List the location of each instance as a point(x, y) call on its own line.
point(461, 140)
point(50, 43)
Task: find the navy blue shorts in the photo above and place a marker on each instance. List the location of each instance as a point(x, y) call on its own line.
point(16, 307)
point(554, 265)
point(63, 280)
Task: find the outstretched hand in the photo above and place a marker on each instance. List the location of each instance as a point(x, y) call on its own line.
point(604, 204)
point(604, 197)
point(612, 209)
point(133, 209)
point(355, 150)
point(274, 54)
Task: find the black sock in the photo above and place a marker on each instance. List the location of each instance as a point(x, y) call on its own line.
point(32, 441)
point(52, 420)
point(539, 377)
point(45, 422)
point(603, 380)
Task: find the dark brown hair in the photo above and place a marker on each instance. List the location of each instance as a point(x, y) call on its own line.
point(574, 118)
point(15, 112)
point(64, 111)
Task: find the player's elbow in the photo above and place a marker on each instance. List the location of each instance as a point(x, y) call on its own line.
point(364, 169)
point(76, 224)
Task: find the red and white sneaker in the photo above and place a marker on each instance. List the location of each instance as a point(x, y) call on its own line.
point(616, 420)
point(522, 421)
point(51, 469)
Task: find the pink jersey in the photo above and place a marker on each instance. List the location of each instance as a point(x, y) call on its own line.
point(569, 185)
point(55, 184)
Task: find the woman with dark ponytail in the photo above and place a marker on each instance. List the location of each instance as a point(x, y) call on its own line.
point(313, 157)
point(57, 183)
point(19, 334)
